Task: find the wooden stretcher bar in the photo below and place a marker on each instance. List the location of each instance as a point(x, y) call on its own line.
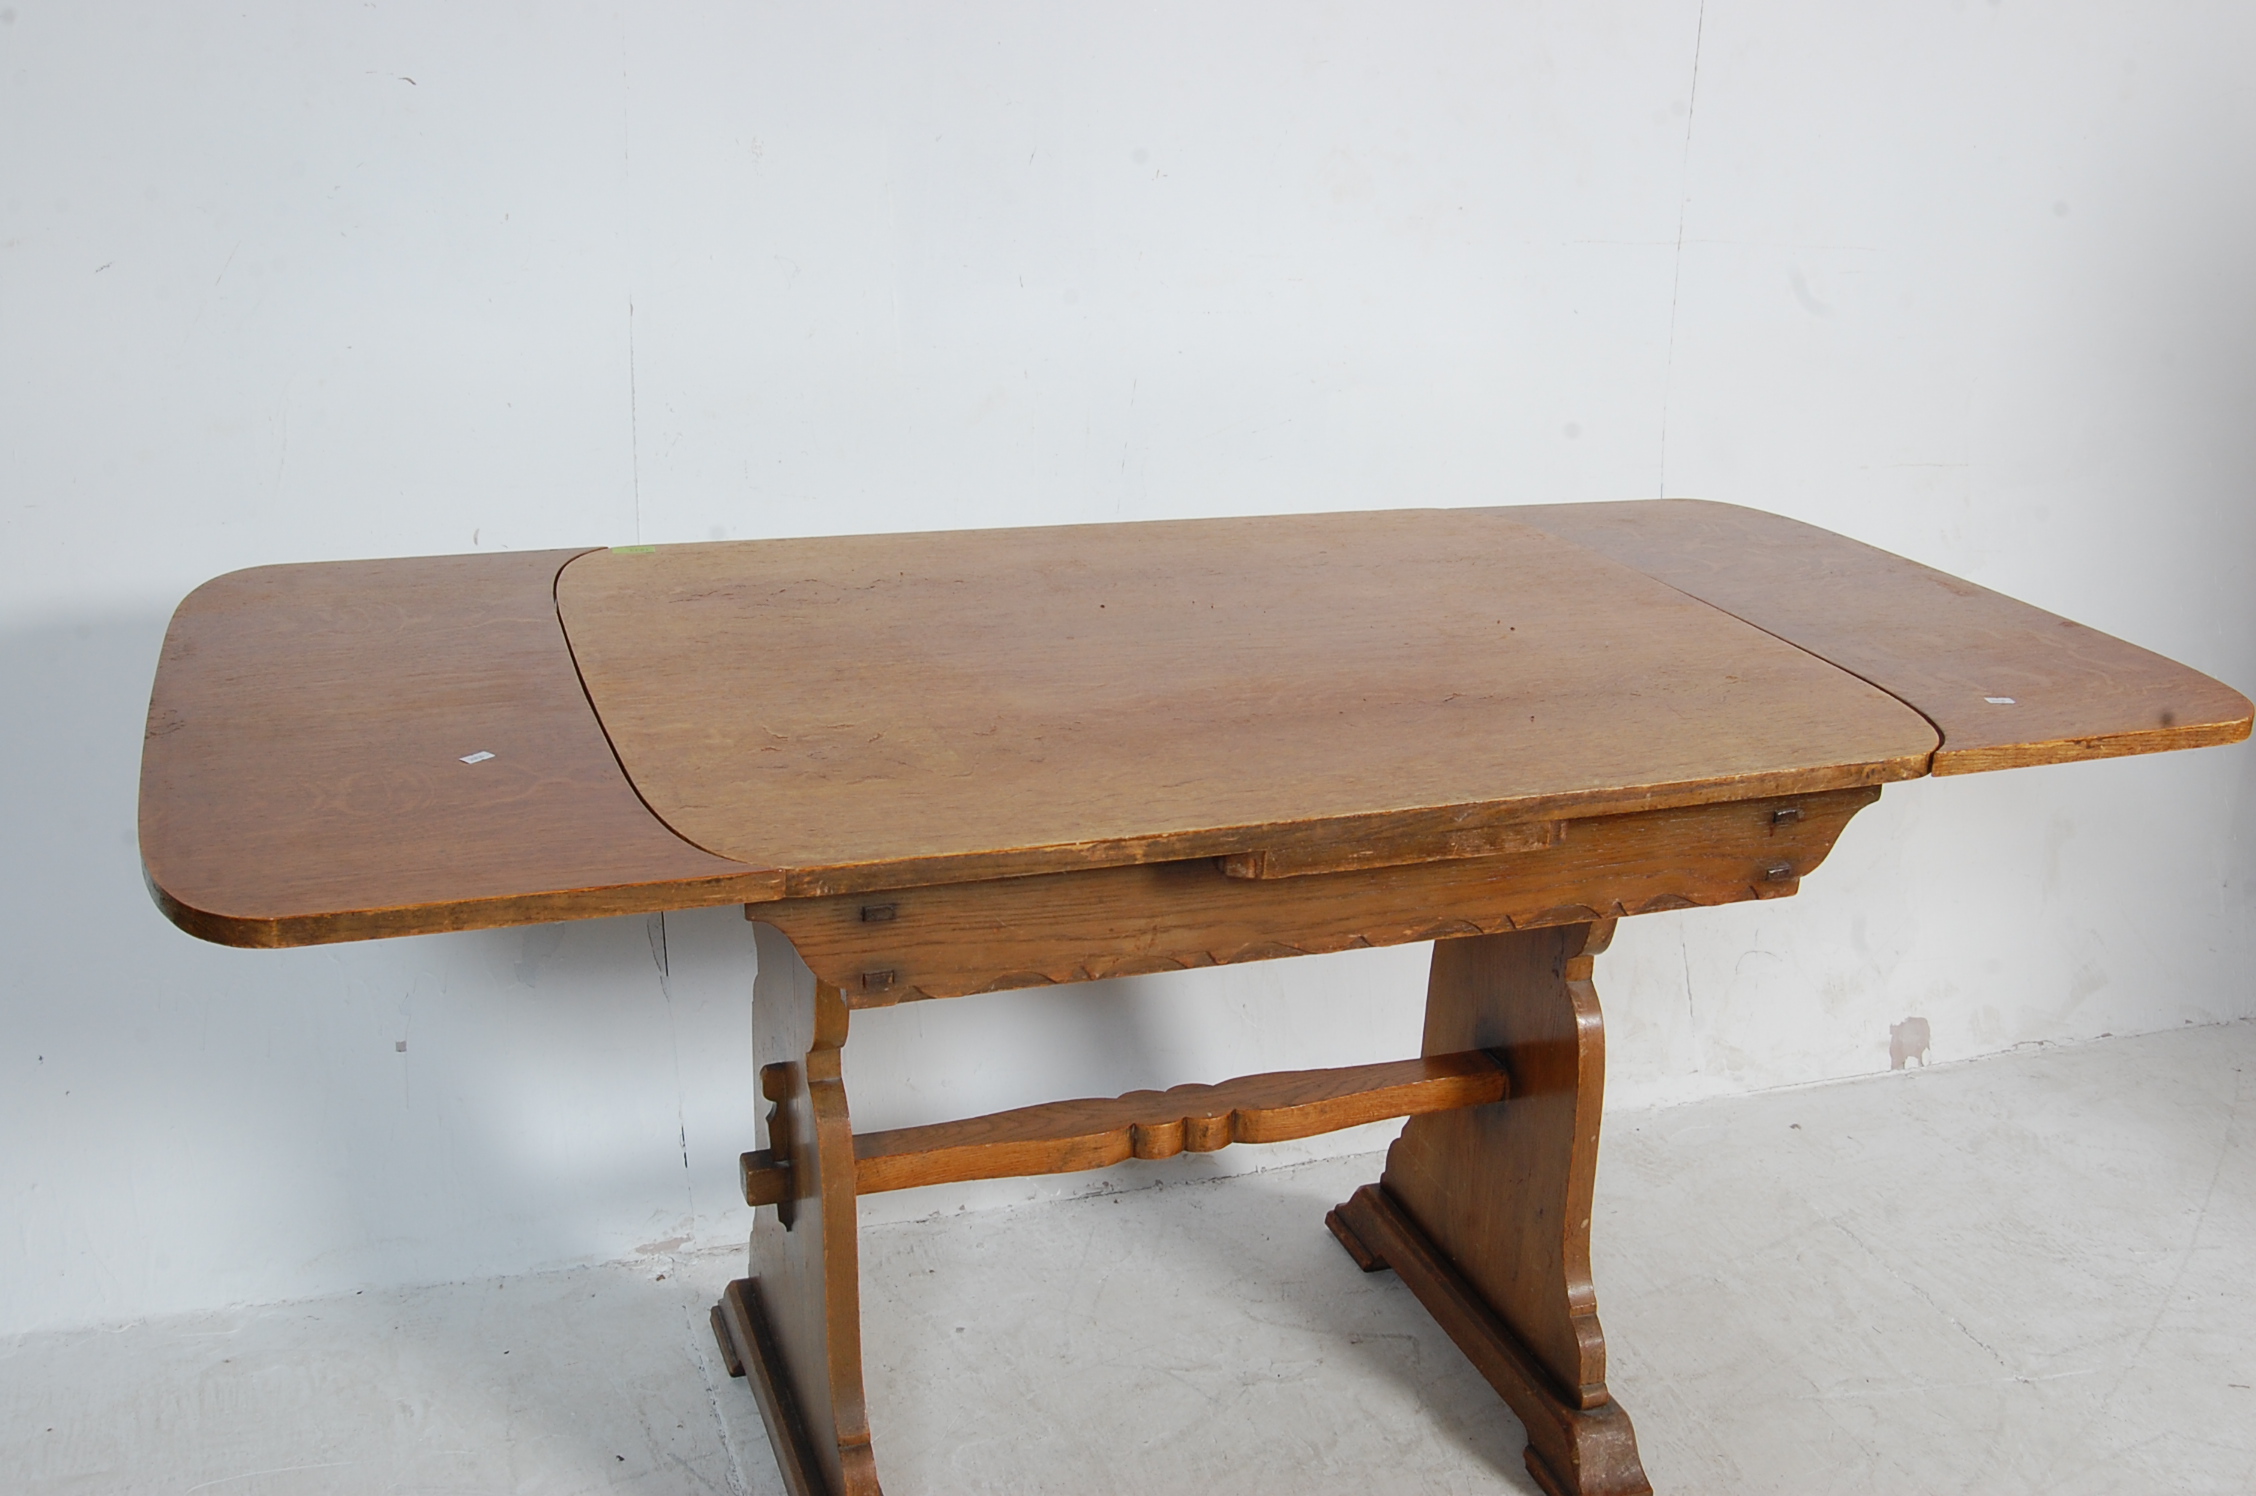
point(1067, 1137)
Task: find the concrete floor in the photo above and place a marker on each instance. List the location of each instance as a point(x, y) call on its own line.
point(2029, 1273)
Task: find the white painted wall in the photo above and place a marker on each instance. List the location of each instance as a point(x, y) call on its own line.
point(284, 282)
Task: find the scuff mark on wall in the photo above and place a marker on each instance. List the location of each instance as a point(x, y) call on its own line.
point(540, 942)
point(2089, 977)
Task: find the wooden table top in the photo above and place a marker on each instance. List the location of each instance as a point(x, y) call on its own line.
point(738, 722)
point(876, 710)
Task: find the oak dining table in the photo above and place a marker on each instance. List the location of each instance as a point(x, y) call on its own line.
point(941, 764)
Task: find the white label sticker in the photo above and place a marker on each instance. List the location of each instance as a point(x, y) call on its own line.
point(1999, 700)
point(476, 758)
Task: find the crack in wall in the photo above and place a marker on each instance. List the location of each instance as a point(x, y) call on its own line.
point(1676, 265)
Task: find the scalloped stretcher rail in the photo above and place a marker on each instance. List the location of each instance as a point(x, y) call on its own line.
point(1066, 1137)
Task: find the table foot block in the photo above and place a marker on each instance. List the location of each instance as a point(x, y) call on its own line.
point(1064, 1137)
point(1365, 1258)
point(731, 1357)
point(1572, 1450)
point(749, 1349)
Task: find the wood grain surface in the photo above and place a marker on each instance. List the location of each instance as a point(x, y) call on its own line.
point(302, 777)
point(1297, 695)
point(957, 938)
point(893, 710)
point(2005, 684)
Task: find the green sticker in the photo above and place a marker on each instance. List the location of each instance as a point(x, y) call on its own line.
point(632, 550)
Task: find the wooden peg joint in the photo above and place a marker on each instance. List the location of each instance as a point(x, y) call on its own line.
point(773, 1183)
point(766, 1178)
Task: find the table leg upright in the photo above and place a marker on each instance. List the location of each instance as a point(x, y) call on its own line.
point(1485, 1212)
point(795, 1325)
